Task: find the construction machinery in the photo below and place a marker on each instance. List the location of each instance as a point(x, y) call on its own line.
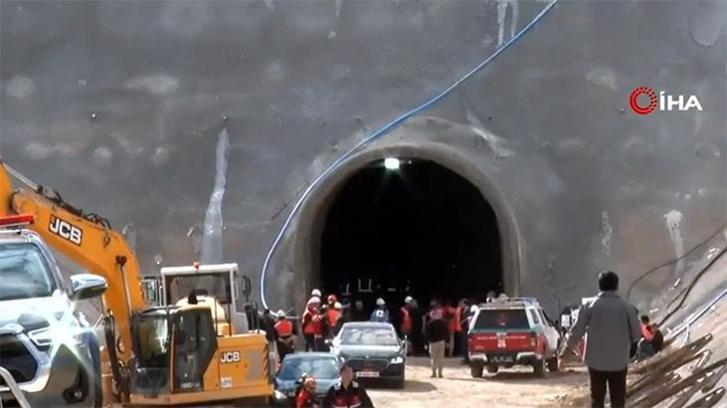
point(187, 348)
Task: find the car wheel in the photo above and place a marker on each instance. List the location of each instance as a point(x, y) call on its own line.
point(539, 367)
point(492, 369)
point(94, 374)
point(554, 364)
point(476, 370)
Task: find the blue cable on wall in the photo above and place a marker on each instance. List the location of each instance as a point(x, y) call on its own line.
point(382, 131)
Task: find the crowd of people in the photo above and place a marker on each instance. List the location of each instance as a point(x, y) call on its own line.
point(442, 329)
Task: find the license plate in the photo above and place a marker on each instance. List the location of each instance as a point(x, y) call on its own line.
point(502, 359)
point(367, 374)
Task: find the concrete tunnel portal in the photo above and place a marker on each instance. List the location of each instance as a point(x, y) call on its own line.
point(408, 225)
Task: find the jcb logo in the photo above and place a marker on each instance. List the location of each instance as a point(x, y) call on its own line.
point(65, 230)
point(230, 357)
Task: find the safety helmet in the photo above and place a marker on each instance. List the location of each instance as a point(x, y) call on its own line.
point(281, 313)
point(314, 300)
point(408, 299)
point(316, 292)
point(380, 302)
point(332, 299)
point(337, 306)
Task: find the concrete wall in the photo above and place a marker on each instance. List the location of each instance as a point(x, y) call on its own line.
point(119, 105)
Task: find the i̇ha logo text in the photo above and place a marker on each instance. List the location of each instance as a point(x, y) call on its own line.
point(644, 100)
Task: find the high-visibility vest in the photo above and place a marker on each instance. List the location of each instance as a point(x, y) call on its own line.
point(284, 328)
point(458, 319)
point(332, 315)
point(312, 323)
point(406, 323)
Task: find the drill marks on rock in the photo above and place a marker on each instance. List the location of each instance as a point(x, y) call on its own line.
point(212, 230)
point(501, 17)
point(674, 220)
point(607, 233)
point(158, 85)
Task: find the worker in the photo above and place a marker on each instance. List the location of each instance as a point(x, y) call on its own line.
point(437, 334)
point(306, 396)
point(284, 335)
point(312, 325)
point(652, 340)
point(405, 316)
point(358, 314)
point(332, 317)
point(417, 338)
point(611, 326)
point(463, 322)
point(452, 319)
point(347, 393)
point(380, 314)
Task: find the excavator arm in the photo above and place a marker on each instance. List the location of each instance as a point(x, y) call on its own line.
point(86, 239)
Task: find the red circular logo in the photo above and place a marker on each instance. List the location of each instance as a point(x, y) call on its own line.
point(633, 100)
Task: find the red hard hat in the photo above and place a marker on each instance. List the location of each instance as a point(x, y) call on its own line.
point(332, 299)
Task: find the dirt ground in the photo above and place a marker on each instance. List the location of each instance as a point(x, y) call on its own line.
point(509, 388)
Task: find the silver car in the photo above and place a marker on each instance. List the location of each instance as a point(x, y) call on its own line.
point(46, 346)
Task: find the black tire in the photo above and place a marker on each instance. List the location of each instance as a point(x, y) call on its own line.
point(476, 370)
point(553, 364)
point(539, 367)
point(492, 369)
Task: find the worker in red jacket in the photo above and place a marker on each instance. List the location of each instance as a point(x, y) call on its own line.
point(306, 397)
point(312, 325)
point(348, 393)
point(406, 321)
point(284, 335)
point(332, 316)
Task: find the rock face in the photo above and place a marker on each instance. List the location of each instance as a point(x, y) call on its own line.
point(119, 106)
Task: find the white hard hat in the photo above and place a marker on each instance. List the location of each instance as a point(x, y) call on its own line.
point(316, 292)
point(337, 306)
point(281, 313)
point(380, 302)
point(408, 299)
point(314, 299)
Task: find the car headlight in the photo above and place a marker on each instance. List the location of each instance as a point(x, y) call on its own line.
point(397, 360)
point(279, 395)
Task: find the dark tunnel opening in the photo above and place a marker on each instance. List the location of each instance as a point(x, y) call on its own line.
point(417, 228)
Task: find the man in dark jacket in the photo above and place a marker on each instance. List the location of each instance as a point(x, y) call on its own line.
point(612, 327)
point(437, 333)
point(348, 393)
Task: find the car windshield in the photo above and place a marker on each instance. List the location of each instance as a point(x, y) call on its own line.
point(502, 319)
point(369, 336)
point(23, 272)
point(321, 368)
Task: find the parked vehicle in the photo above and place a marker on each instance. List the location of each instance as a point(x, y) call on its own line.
point(325, 367)
point(373, 350)
point(511, 332)
point(48, 348)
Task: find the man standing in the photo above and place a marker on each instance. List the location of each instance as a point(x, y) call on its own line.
point(347, 393)
point(284, 335)
point(612, 327)
point(380, 314)
point(437, 334)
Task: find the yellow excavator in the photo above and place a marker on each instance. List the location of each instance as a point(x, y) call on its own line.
point(189, 348)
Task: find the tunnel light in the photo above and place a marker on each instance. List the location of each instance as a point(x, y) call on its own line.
point(392, 163)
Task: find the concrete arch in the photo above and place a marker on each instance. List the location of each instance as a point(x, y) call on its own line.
point(304, 249)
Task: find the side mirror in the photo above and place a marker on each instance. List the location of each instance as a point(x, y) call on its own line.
point(87, 286)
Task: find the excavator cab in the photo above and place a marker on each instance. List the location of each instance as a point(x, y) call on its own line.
point(173, 347)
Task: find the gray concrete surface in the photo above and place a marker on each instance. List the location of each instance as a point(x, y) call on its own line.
point(119, 105)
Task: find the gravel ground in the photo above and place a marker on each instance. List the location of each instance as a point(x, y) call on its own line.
point(509, 388)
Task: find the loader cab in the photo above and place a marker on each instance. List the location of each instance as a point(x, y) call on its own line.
point(173, 348)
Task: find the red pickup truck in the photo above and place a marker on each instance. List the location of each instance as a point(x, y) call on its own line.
point(511, 332)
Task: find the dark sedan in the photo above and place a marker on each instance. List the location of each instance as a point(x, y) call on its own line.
point(373, 350)
point(325, 367)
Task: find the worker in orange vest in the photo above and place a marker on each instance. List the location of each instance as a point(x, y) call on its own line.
point(284, 335)
point(406, 322)
point(312, 325)
point(332, 316)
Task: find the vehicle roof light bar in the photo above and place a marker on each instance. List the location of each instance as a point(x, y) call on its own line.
point(16, 220)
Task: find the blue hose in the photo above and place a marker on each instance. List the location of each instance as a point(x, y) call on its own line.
point(383, 130)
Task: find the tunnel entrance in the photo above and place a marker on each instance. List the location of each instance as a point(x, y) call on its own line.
point(410, 226)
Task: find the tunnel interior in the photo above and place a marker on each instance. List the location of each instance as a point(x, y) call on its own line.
point(409, 226)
